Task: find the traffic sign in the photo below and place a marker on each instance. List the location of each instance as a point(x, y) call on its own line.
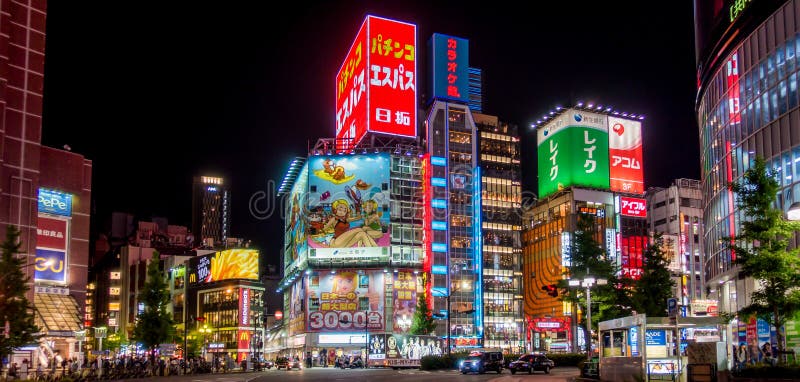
point(672, 307)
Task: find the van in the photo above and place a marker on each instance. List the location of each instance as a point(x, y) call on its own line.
point(481, 362)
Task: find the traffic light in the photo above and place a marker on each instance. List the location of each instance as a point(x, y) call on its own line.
point(551, 290)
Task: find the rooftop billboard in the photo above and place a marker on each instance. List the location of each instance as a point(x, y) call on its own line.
point(573, 151)
point(230, 264)
point(449, 67)
point(625, 150)
point(376, 86)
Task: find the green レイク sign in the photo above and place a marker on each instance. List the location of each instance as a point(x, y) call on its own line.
point(572, 156)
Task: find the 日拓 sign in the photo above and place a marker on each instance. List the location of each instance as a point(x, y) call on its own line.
point(55, 202)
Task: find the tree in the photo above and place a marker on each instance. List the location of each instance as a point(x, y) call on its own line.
point(154, 324)
point(423, 322)
point(587, 258)
point(654, 287)
point(762, 249)
point(15, 309)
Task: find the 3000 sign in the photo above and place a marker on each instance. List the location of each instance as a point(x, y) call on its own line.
point(343, 320)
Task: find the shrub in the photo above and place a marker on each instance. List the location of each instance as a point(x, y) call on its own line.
point(567, 359)
point(435, 362)
point(762, 371)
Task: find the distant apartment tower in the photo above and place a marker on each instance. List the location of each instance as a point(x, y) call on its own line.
point(475, 90)
point(211, 211)
point(677, 212)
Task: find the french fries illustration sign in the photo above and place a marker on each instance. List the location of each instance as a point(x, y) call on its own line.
point(226, 265)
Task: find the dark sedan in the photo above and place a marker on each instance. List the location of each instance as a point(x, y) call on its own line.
point(531, 363)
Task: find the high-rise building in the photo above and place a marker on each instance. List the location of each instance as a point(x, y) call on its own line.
point(476, 97)
point(44, 192)
point(22, 42)
point(211, 211)
point(747, 106)
point(677, 213)
point(501, 224)
point(589, 164)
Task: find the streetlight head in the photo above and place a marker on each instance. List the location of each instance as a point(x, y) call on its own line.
point(574, 282)
point(602, 282)
point(589, 280)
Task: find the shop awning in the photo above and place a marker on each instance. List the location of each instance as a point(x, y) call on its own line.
point(57, 315)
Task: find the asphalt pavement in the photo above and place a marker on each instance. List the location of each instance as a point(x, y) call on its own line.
point(559, 374)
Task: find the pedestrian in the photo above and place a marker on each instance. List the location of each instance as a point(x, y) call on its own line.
point(323, 357)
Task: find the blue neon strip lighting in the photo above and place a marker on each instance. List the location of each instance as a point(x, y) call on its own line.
point(439, 182)
point(477, 235)
point(439, 247)
point(438, 161)
point(438, 226)
point(439, 269)
point(438, 203)
point(439, 291)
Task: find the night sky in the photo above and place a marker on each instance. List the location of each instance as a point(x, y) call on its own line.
point(155, 93)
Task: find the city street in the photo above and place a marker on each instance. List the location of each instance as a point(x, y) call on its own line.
point(359, 375)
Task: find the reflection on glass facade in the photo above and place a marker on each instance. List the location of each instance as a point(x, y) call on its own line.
point(748, 107)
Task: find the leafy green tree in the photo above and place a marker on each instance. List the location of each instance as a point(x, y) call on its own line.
point(15, 309)
point(154, 324)
point(762, 249)
point(423, 322)
point(588, 258)
point(654, 287)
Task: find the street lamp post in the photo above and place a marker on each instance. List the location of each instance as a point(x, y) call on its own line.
point(447, 298)
point(588, 282)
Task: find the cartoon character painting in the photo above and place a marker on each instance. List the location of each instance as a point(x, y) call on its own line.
point(348, 204)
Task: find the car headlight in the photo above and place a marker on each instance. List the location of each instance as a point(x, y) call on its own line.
point(461, 364)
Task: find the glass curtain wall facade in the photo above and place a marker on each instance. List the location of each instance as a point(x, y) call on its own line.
point(748, 107)
point(501, 218)
point(456, 226)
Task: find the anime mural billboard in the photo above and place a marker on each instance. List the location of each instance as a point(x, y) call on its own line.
point(346, 300)
point(348, 206)
point(295, 244)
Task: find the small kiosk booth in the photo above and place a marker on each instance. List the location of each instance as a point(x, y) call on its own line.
point(641, 348)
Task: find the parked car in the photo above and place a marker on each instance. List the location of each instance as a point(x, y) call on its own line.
point(532, 362)
point(481, 362)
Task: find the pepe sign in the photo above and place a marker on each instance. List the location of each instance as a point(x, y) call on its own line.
point(55, 202)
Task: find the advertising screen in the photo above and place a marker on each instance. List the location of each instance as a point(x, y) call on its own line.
point(50, 266)
point(376, 86)
point(295, 244)
point(346, 300)
point(625, 155)
point(351, 91)
point(226, 265)
point(404, 350)
point(573, 150)
point(449, 62)
point(348, 207)
point(55, 202)
point(406, 288)
point(297, 307)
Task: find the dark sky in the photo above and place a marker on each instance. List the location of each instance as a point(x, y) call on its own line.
point(155, 93)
